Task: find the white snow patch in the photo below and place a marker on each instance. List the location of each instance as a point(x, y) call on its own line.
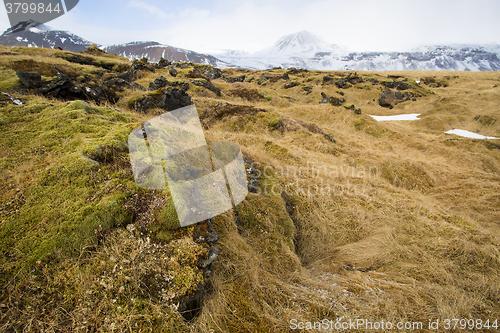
point(36, 30)
point(467, 134)
point(409, 116)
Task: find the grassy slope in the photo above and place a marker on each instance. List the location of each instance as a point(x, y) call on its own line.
point(418, 237)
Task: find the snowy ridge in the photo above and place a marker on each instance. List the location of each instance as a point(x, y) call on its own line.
point(33, 34)
point(154, 51)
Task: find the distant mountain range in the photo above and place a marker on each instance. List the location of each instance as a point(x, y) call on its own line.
point(154, 51)
point(300, 50)
point(305, 50)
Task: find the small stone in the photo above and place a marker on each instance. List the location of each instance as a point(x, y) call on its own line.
point(213, 253)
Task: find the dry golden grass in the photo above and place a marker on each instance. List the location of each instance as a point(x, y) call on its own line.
point(420, 242)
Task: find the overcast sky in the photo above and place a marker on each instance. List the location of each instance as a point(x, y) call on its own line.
point(250, 25)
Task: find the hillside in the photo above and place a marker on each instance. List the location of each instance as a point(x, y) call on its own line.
point(347, 217)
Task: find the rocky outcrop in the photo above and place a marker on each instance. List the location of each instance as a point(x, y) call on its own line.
point(273, 79)
point(342, 83)
point(399, 85)
point(332, 100)
point(291, 85)
point(162, 63)
point(159, 82)
point(389, 99)
point(308, 89)
point(212, 73)
point(353, 108)
point(433, 83)
point(137, 65)
point(206, 84)
point(330, 138)
point(96, 88)
point(240, 78)
point(167, 99)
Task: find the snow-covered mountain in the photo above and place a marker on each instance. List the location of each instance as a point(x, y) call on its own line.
point(34, 34)
point(154, 51)
point(304, 50)
point(302, 44)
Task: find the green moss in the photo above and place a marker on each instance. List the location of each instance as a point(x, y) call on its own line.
point(156, 93)
point(288, 228)
point(265, 96)
point(70, 198)
point(166, 221)
point(8, 80)
point(274, 122)
point(370, 127)
point(277, 151)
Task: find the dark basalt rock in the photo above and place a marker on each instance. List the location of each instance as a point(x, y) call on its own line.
point(30, 80)
point(159, 82)
point(342, 83)
point(137, 65)
point(213, 73)
point(328, 79)
point(354, 109)
point(330, 138)
point(388, 99)
point(240, 78)
point(172, 71)
point(163, 63)
point(399, 85)
point(354, 78)
point(308, 89)
point(168, 99)
point(433, 83)
point(293, 71)
point(291, 85)
point(332, 100)
point(253, 176)
point(285, 77)
point(206, 84)
point(263, 79)
point(65, 88)
point(196, 74)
